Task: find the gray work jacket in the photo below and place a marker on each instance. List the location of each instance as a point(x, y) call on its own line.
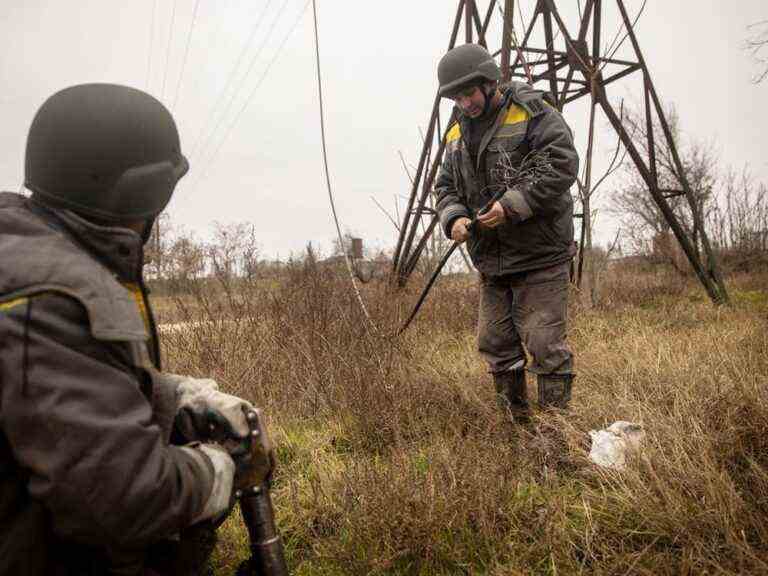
point(87, 474)
point(539, 231)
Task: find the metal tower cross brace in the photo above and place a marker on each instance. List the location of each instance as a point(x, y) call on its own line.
point(571, 73)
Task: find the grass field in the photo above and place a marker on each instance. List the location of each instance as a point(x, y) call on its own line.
point(394, 459)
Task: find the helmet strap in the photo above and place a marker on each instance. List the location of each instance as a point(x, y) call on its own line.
point(148, 225)
point(488, 92)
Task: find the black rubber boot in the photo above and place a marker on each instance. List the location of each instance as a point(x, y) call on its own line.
point(554, 390)
point(511, 393)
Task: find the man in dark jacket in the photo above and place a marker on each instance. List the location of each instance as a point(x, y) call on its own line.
point(90, 483)
point(523, 245)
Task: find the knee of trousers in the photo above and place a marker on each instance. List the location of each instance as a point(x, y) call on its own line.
point(498, 347)
point(549, 355)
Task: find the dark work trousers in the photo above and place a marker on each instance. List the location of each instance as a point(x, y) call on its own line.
point(526, 309)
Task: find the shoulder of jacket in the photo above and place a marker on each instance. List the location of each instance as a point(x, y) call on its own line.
point(454, 132)
point(45, 260)
point(535, 102)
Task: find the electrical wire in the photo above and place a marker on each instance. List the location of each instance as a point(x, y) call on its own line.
point(151, 45)
point(626, 35)
point(186, 54)
point(327, 172)
point(168, 49)
point(234, 122)
point(231, 76)
point(237, 89)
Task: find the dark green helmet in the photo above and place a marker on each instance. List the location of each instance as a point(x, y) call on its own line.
point(106, 151)
point(466, 65)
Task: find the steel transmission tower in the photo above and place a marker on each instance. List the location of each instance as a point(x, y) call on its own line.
point(573, 71)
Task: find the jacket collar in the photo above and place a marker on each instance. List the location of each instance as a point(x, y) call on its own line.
point(120, 250)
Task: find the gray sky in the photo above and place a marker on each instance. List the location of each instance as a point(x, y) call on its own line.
point(259, 159)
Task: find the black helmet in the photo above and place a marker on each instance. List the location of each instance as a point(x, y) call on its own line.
point(464, 66)
point(106, 151)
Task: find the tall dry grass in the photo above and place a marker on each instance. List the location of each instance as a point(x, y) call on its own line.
point(393, 458)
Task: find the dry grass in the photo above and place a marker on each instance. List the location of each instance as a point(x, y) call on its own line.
point(393, 458)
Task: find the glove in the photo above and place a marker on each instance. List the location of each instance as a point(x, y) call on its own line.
point(205, 412)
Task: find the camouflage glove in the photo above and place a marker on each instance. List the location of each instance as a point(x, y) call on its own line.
point(204, 412)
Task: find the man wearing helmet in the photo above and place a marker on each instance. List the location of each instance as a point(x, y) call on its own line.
point(90, 482)
point(524, 243)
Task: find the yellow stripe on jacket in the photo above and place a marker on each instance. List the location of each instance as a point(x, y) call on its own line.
point(135, 291)
point(515, 115)
point(12, 303)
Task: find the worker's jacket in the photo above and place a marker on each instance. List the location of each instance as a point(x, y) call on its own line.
point(87, 475)
point(538, 232)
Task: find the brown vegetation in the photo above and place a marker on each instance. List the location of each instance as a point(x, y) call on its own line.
point(393, 458)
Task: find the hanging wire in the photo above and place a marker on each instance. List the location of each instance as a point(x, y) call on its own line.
point(186, 54)
point(232, 73)
point(327, 172)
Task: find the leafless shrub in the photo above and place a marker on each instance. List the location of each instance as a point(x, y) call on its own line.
point(393, 458)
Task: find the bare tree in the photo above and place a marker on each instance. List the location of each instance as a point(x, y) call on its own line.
point(756, 46)
point(234, 251)
point(640, 216)
point(739, 218)
point(590, 261)
point(185, 261)
point(157, 246)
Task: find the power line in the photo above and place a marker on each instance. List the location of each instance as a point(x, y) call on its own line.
point(230, 76)
point(634, 23)
point(200, 139)
point(186, 54)
point(232, 124)
point(168, 49)
point(151, 44)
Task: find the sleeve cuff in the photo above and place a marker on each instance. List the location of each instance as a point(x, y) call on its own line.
point(223, 479)
point(514, 202)
point(448, 215)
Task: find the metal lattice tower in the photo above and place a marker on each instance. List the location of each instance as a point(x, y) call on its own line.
point(574, 71)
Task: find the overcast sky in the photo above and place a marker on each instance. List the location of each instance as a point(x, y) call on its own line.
point(252, 131)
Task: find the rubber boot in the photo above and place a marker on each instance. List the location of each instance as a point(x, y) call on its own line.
point(511, 393)
point(554, 390)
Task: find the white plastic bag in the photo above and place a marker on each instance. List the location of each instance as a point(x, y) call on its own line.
point(610, 446)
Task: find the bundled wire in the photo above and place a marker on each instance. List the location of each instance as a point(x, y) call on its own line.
point(529, 172)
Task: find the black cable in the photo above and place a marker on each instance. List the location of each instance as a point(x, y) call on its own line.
point(327, 172)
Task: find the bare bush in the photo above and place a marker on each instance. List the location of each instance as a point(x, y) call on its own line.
point(393, 458)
